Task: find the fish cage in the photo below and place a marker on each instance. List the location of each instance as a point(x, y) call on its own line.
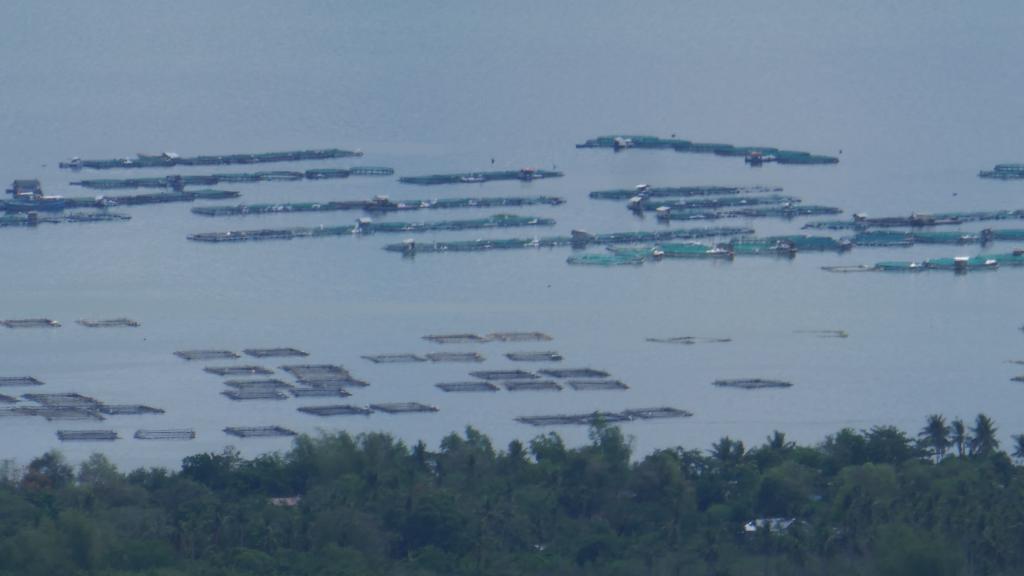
point(170, 159)
point(319, 392)
point(467, 387)
point(274, 352)
point(519, 337)
point(323, 376)
point(526, 175)
point(455, 338)
point(606, 259)
point(5, 399)
point(19, 381)
point(258, 431)
point(656, 413)
point(377, 205)
point(574, 373)
point(265, 383)
point(573, 419)
point(166, 434)
point(255, 394)
point(689, 340)
point(336, 410)
point(455, 357)
point(112, 323)
point(402, 407)
point(504, 375)
point(532, 386)
point(585, 385)
point(206, 355)
point(394, 358)
point(63, 399)
point(547, 356)
point(127, 409)
point(31, 323)
point(61, 413)
point(87, 435)
point(751, 383)
point(238, 370)
point(644, 191)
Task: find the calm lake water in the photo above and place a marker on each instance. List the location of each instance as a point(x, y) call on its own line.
point(914, 97)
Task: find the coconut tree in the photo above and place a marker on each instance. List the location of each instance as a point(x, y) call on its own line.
point(935, 436)
point(959, 436)
point(983, 436)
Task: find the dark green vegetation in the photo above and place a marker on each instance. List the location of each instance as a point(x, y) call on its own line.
point(870, 502)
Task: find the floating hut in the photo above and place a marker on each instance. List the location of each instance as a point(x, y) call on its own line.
point(171, 159)
point(526, 175)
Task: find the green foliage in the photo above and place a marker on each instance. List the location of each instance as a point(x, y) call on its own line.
point(870, 502)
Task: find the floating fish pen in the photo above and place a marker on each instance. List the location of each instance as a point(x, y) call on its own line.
point(713, 203)
point(644, 191)
point(402, 407)
point(825, 333)
point(19, 381)
point(255, 394)
point(519, 337)
point(206, 355)
point(863, 222)
point(323, 392)
point(689, 340)
point(54, 413)
point(753, 155)
point(1015, 258)
point(573, 419)
point(113, 323)
point(8, 399)
point(366, 226)
point(656, 413)
point(959, 264)
point(394, 358)
point(170, 159)
point(1004, 172)
point(455, 357)
point(337, 410)
point(1017, 379)
point(155, 198)
point(127, 409)
point(547, 356)
point(900, 239)
point(265, 383)
point(178, 182)
point(168, 434)
point(238, 370)
point(258, 431)
point(504, 375)
point(751, 383)
point(64, 400)
point(323, 376)
point(587, 385)
point(86, 435)
point(274, 352)
point(456, 338)
point(532, 386)
point(668, 214)
point(692, 250)
point(526, 175)
point(574, 373)
point(379, 204)
point(33, 219)
point(31, 323)
point(577, 239)
point(607, 259)
point(467, 387)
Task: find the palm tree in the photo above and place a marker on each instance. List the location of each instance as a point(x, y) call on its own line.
point(777, 442)
point(983, 436)
point(959, 436)
point(1018, 446)
point(935, 435)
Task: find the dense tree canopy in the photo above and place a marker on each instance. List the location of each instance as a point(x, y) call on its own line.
point(861, 503)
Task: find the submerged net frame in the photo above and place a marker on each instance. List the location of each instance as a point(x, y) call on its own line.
point(455, 338)
point(751, 383)
point(455, 357)
point(238, 370)
point(64, 400)
point(112, 323)
point(574, 373)
point(584, 385)
point(688, 340)
point(504, 375)
point(319, 392)
point(255, 394)
point(394, 358)
point(532, 386)
point(519, 337)
point(547, 356)
point(263, 384)
point(127, 409)
point(8, 399)
point(106, 435)
point(31, 323)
